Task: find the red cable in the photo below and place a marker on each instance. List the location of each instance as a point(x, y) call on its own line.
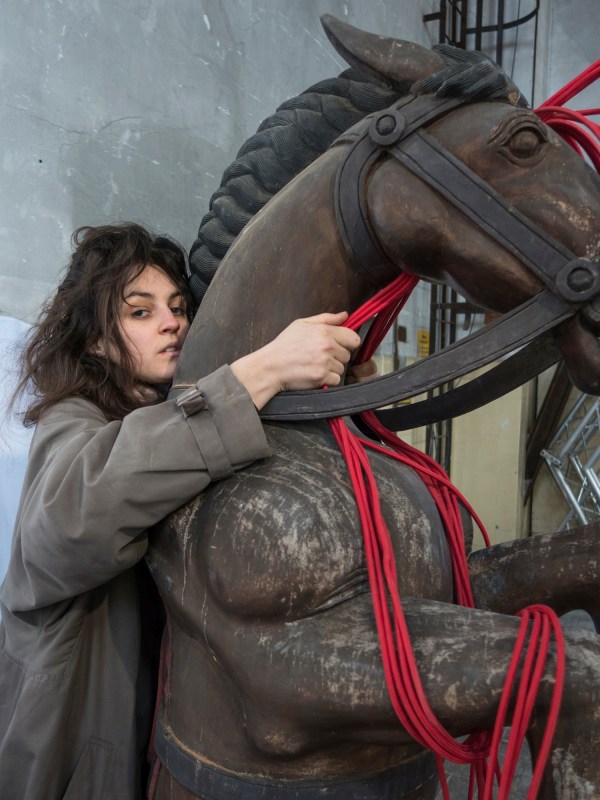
point(574, 86)
point(406, 691)
point(566, 122)
point(401, 671)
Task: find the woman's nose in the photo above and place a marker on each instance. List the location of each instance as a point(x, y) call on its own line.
point(169, 321)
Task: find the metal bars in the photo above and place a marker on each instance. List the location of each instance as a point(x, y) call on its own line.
point(453, 17)
point(573, 458)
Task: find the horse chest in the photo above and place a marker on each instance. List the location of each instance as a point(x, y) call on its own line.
point(282, 539)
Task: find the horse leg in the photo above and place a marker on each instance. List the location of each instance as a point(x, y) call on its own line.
point(464, 656)
point(561, 570)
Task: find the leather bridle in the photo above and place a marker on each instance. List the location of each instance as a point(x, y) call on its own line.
point(570, 283)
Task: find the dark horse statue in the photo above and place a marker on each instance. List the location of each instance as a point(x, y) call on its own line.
point(273, 677)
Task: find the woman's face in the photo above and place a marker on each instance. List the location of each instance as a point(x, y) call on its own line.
point(154, 324)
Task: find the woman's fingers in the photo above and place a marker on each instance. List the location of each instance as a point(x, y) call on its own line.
point(309, 353)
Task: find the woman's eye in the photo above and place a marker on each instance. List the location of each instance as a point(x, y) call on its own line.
point(139, 313)
point(525, 143)
point(178, 311)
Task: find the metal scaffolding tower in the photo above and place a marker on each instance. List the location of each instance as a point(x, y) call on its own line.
point(573, 458)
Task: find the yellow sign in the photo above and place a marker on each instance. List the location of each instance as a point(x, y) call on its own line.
point(422, 343)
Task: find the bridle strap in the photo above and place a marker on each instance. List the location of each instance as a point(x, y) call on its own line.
point(509, 374)
point(368, 145)
point(574, 279)
point(570, 281)
point(510, 332)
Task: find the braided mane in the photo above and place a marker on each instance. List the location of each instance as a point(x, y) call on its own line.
point(286, 143)
point(303, 127)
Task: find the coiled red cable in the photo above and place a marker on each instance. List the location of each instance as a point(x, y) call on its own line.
point(539, 624)
point(404, 684)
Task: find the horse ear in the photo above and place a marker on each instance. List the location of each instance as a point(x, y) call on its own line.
point(393, 62)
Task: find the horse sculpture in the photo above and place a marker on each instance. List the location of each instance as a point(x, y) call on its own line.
point(273, 681)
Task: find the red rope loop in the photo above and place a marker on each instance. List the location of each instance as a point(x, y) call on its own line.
point(401, 671)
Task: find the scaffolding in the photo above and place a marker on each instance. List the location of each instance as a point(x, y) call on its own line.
point(573, 458)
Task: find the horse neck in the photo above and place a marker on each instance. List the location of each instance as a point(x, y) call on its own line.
point(287, 263)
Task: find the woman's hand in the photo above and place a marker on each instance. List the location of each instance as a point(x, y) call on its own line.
point(308, 354)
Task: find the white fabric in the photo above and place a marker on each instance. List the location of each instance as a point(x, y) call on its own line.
point(14, 438)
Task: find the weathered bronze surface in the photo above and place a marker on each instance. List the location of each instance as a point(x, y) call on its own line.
point(275, 670)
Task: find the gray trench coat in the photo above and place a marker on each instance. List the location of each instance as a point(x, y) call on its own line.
point(75, 693)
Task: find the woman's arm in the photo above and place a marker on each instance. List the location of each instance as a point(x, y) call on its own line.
point(93, 487)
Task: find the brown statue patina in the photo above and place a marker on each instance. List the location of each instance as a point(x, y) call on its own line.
point(273, 682)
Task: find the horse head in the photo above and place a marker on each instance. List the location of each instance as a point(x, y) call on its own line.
point(414, 225)
point(515, 156)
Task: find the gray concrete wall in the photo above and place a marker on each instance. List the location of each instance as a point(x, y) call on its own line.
point(132, 109)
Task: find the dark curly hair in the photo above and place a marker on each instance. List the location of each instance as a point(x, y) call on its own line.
point(58, 361)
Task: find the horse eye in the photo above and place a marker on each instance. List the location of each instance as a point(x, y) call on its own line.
point(525, 142)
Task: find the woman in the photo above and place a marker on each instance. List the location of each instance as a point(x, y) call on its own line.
point(108, 460)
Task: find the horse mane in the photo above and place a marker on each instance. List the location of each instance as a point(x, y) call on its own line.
point(303, 127)
point(300, 130)
point(472, 76)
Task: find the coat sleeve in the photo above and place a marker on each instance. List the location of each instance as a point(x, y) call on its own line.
point(93, 487)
